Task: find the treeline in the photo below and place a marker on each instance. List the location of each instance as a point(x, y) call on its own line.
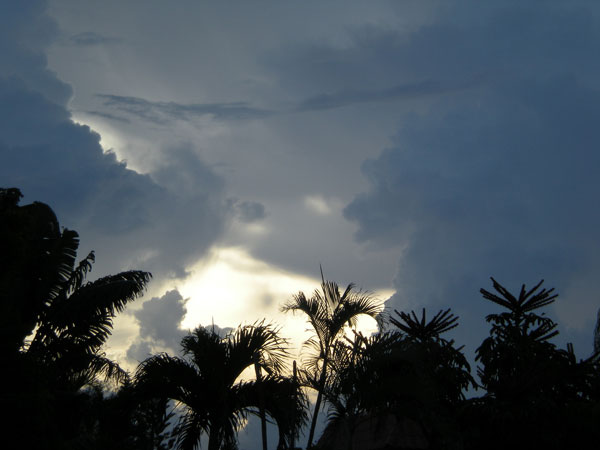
point(403, 387)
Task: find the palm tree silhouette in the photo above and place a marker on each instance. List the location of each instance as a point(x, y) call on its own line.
point(46, 298)
point(518, 357)
point(206, 383)
point(328, 312)
point(411, 374)
point(77, 320)
point(537, 394)
point(53, 322)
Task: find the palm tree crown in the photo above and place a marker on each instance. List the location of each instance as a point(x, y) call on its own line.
point(329, 311)
point(205, 381)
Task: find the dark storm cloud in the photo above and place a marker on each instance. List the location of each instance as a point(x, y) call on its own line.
point(25, 33)
point(498, 180)
point(89, 38)
point(463, 45)
point(164, 112)
point(153, 222)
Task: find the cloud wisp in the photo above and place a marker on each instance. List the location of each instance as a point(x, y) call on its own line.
point(351, 97)
point(90, 38)
point(162, 113)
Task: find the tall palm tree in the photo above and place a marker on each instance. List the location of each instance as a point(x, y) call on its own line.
point(329, 311)
point(205, 381)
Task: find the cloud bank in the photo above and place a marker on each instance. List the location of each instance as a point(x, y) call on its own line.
point(158, 222)
point(499, 179)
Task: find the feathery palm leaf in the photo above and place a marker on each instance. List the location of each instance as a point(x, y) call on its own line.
point(206, 382)
point(262, 340)
point(421, 329)
point(328, 311)
point(526, 302)
point(76, 326)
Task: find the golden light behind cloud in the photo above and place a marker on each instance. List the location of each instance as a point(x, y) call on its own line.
point(230, 287)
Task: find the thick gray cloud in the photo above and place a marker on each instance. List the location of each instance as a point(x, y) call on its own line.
point(499, 179)
point(158, 222)
point(159, 320)
point(160, 317)
point(25, 33)
point(491, 108)
point(474, 125)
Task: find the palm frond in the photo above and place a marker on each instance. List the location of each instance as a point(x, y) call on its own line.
point(109, 295)
point(204, 346)
point(171, 377)
point(527, 301)
point(353, 306)
point(189, 429)
point(314, 308)
point(87, 314)
point(61, 260)
point(101, 365)
point(78, 275)
point(259, 339)
point(283, 400)
point(421, 328)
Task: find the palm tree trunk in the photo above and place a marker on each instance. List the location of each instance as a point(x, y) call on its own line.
point(317, 404)
point(295, 374)
point(213, 439)
point(261, 403)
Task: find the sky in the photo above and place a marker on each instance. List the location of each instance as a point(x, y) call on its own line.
point(230, 148)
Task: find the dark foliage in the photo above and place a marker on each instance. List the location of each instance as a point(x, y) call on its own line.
point(329, 311)
point(537, 394)
point(412, 373)
point(53, 325)
point(205, 382)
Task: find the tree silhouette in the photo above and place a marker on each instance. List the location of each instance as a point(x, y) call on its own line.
point(206, 382)
point(53, 322)
point(410, 373)
point(329, 311)
point(518, 356)
point(125, 420)
point(537, 394)
point(66, 319)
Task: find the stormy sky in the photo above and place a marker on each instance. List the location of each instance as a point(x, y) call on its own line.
point(414, 148)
